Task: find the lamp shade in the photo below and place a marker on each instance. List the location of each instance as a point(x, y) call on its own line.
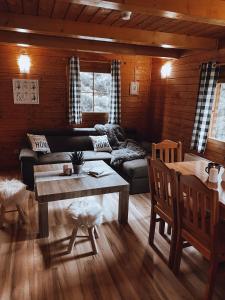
point(24, 63)
point(166, 70)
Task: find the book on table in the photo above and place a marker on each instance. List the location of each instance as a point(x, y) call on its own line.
point(98, 172)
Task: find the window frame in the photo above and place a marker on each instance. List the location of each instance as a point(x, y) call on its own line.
point(93, 93)
point(213, 118)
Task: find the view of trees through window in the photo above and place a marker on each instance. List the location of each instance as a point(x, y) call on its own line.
point(217, 127)
point(95, 91)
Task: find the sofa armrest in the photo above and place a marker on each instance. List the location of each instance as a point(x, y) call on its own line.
point(28, 154)
point(147, 146)
point(28, 158)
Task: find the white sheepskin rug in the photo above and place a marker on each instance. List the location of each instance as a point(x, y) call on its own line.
point(12, 192)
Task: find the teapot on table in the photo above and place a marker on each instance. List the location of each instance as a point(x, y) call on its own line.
point(213, 170)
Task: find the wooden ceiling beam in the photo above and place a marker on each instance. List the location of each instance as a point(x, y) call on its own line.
point(59, 27)
point(201, 11)
point(67, 43)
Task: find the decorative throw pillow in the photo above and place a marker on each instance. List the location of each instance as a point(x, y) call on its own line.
point(101, 143)
point(39, 143)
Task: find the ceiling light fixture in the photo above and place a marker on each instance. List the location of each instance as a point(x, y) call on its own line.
point(23, 45)
point(166, 46)
point(126, 15)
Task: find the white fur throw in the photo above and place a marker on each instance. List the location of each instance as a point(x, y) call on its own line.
point(12, 192)
point(85, 213)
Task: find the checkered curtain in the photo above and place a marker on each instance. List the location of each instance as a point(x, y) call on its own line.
point(115, 104)
point(208, 77)
point(75, 115)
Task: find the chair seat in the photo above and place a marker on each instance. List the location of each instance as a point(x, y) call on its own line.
point(85, 213)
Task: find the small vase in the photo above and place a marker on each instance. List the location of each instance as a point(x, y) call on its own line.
point(77, 169)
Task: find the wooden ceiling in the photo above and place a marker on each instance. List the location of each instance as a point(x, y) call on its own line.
point(190, 26)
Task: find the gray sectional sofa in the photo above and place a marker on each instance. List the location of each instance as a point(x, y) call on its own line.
point(64, 141)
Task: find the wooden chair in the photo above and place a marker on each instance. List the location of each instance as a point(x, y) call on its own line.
point(198, 224)
point(169, 151)
point(162, 182)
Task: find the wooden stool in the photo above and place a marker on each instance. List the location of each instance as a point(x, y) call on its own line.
point(12, 192)
point(88, 215)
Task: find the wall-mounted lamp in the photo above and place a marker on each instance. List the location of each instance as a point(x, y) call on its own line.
point(166, 70)
point(126, 15)
point(24, 63)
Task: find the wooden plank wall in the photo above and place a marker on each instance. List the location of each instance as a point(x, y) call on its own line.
point(173, 101)
point(50, 68)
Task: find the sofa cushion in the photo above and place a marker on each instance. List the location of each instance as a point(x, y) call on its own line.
point(92, 155)
point(135, 168)
point(61, 157)
point(54, 158)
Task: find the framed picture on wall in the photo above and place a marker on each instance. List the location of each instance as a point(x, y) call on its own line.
point(134, 88)
point(25, 91)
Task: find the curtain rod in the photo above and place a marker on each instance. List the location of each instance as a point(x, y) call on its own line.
point(96, 61)
point(220, 64)
point(216, 64)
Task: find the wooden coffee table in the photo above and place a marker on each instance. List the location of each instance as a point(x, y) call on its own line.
point(49, 186)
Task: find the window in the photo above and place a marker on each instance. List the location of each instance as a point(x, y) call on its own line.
point(95, 91)
point(217, 125)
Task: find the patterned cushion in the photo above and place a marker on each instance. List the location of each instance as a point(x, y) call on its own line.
point(39, 143)
point(101, 143)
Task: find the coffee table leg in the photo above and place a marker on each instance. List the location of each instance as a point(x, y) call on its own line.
point(43, 219)
point(123, 207)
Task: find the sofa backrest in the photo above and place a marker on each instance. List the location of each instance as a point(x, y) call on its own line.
point(67, 140)
point(69, 143)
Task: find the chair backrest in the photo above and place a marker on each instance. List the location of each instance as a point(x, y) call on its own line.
point(162, 181)
point(197, 211)
point(169, 151)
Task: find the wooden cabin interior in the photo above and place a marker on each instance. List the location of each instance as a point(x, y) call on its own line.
point(164, 49)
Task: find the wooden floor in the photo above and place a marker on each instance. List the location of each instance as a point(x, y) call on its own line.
point(125, 268)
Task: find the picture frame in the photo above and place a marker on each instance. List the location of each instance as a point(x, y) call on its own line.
point(134, 88)
point(25, 91)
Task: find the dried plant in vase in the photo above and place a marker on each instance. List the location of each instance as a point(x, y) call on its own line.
point(77, 159)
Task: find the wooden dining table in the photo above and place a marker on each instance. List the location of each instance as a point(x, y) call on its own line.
point(197, 168)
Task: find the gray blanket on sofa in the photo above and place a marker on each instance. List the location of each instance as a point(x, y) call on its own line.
point(128, 150)
point(123, 149)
